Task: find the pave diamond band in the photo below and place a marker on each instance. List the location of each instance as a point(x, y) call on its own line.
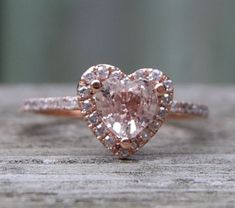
point(69, 106)
point(51, 104)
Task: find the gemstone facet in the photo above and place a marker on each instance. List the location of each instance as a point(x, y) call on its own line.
point(127, 106)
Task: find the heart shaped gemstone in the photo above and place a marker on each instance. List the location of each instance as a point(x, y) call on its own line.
point(124, 112)
point(127, 106)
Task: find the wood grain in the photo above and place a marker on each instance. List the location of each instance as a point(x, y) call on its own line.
point(57, 162)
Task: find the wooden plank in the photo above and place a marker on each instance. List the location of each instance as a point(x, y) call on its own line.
point(56, 162)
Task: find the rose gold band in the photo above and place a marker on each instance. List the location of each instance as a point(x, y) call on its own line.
point(68, 106)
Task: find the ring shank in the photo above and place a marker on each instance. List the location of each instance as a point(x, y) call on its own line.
point(68, 106)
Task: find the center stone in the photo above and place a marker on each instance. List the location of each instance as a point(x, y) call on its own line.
point(127, 106)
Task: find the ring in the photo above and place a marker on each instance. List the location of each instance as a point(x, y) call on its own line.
point(123, 111)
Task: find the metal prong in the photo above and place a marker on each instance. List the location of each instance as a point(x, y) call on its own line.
point(160, 89)
point(125, 143)
point(96, 85)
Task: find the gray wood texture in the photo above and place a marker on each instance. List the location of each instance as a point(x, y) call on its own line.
point(57, 162)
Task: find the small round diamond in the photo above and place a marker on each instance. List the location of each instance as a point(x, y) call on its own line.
point(89, 75)
point(109, 142)
point(140, 74)
point(93, 119)
point(100, 131)
point(83, 92)
point(155, 75)
point(145, 135)
point(103, 72)
point(167, 99)
point(122, 153)
point(86, 106)
point(117, 75)
point(168, 85)
point(162, 112)
point(194, 109)
point(154, 126)
point(71, 101)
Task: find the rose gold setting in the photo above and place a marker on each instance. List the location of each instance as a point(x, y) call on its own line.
point(123, 111)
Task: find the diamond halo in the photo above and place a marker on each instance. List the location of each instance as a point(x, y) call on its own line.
point(124, 111)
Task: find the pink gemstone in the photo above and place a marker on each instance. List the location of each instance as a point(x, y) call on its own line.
point(127, 106)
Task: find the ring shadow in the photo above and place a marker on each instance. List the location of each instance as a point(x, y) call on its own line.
point(41, 130)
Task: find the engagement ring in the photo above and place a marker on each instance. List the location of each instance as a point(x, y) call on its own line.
point(123, 111)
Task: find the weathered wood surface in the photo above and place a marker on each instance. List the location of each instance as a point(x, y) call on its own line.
point(55, 162)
